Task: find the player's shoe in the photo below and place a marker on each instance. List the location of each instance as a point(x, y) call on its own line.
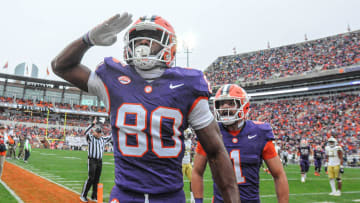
point(337, 193)
point(302, 179)
point(332, 193)
point(317, 174)
point(94, 199)
point(83, 199)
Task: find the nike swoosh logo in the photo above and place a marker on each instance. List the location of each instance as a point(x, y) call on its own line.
point(251, 137)
point(176, 86)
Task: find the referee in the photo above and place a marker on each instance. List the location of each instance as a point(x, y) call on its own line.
point(96, 143)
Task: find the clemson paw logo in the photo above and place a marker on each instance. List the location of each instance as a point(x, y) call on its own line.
point(124, 80)
point(148, 89)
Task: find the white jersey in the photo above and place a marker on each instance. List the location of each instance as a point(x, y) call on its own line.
point(187, 152)
point(277, 149)
point(333, 157)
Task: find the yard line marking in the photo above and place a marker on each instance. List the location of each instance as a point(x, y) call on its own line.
point(12, 192)
point(69, 181)
point(74, 184)
point(270, 179)
point(307, 194)
point(71, 157)
point(48, 154)
point(301, 194)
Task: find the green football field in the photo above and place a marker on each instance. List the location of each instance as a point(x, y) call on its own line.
point(69, 168)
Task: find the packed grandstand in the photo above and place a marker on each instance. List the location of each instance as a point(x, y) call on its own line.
point(308, 90)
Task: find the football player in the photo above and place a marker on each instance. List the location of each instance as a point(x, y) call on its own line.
point(318, 157)
point(284, 155)
point(150, 103)
point(304, 151)
point(334, 161)
point(247, 142)
point(186, 162)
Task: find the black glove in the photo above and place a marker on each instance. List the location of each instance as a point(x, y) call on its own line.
point(341, 169)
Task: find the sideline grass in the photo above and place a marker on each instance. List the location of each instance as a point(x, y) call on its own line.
point(5, 195)
point(69, 168)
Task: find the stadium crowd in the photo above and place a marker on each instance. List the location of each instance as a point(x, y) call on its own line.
point(314, 119)
point(39, 103)
point(322, 54)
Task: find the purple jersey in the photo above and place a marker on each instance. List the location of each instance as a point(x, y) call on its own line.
point(318, 154)
point(245, 150)
point(304, 152)
point(147, 122)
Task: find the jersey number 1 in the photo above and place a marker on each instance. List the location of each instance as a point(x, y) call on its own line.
point(235, 157)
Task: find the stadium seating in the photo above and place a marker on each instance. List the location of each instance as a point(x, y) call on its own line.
point(310, 56)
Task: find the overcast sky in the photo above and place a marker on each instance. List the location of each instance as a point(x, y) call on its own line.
point(35, 31)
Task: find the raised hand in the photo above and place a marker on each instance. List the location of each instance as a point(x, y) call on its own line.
point(105, 34)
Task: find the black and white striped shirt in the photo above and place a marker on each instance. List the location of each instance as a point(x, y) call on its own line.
point(96, 145)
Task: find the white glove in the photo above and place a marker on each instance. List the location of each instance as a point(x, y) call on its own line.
point(105, 33)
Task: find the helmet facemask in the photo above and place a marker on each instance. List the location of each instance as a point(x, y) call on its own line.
point(158, 50)
point(236, 112)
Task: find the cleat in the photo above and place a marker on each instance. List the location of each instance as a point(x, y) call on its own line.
point(83, 199)
point(337, 193)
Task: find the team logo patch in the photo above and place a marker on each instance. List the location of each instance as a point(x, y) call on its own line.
point(148, 89)
point(114, 200)
point(124, 80)
point(235, 140)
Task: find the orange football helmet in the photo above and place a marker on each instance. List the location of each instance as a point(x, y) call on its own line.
point(155, 29)
point(239, 104)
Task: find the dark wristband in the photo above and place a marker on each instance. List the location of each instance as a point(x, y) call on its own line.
point(86, 40)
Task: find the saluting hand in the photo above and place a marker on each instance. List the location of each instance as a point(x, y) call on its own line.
point(105, 34)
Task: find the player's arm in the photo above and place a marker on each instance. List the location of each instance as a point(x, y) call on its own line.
point(219, 161)
point(197, 184)
point(340, 155)
point(275, 166)
point(280, 180)
point(67, 64)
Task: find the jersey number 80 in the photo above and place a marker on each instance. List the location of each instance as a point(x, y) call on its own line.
point(137, 129)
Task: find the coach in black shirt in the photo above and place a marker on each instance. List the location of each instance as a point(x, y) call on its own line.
point(96, 143)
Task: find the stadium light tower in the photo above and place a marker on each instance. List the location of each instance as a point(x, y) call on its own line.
point(186, 43)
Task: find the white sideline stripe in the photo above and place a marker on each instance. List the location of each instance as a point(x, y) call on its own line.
point(12, 192)
point(49, 180)
point(356, 200)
